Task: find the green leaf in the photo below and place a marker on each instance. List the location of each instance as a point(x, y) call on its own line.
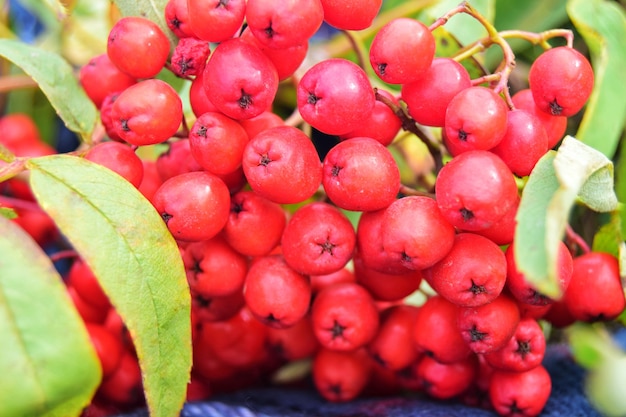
point(49, 367)
point(123, 239)
point(8, 213)
point(558, 179)
point(57, 81)
point(609, 236)
point(150, 9)
point(591, 344)
point(602, 24)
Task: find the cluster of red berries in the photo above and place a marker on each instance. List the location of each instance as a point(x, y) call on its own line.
point(277, 271)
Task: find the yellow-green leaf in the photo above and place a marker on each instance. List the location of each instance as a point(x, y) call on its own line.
point(56, 79)
point(130, 250)
point(49, 367)
point(603, 26)
point(575, 171)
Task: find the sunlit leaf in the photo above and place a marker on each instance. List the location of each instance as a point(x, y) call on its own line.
point(49, 367)
point(603, 26)
point(558, 180)
point(591, 344)
point(8, 213)
point(57, 81)
point(130, 250)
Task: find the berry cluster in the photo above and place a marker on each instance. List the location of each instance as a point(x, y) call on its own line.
point(277, 270)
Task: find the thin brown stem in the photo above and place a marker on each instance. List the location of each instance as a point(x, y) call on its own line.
point(18, 203)
point(575, 242)
point(63, 254)
point(358, 48)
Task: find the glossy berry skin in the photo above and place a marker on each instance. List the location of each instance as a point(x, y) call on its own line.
point(383, 286)
point(255, 224)
point(427, 98)
point(176, 160)
point(475, 120)
point(520, 393)
point(119, 158)
point(216, 308)
point(561, 80)
point(370, 248)
point(295, 342)
point(100, 77)
point(392, 346)
point(595, 292)
point(489, 327)
point(410, 240)
point(198, 99)
point(335, 96)
point(388, 52)
point(240, 80)
point(344, 317)
point(275, 293)
point(340, 376)
point(383, 124)
point(282, 165)
point(286, 60)
point(213, 268)
point(177, 18)
point(524, 351)
point(555, 126)
point(524, 142)
point(446, 380)
point(217, 143)
point(474, 190)
point(259, 123)
point(472, 273)
point(215, 20)
point(523, 290)
point(282, 24)
point(436, 334)
point(318, 239)
point(194, 205)
point(502, 232)
point(147, 113)
point(138, 47)
point(360, 174)
point(350, 14)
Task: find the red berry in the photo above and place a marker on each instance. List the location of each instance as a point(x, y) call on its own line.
point(489, 327)
point(177, 18)
point(100, 77)
point(213, 268)
point(446, 380)
point(360, 174)
point(472, 273)
point(427, 98)
point(318, 239)
point(176, 160)
point(436, 334)
point(340, 376)
point(344, 317)
point(475, 120)
point(388, 51)
point(119, 158)
point(215, 20)
point(351, 14)
point(108, 347)
point(147, 113)
point(392, 346)
point(411, 241)
point(383, 286)
point(138, 46)
point(275, 293)
point(520, 393)
point(282, 165)
point(189, 57)
point(595, 292)
point(217, 143)
point(255, 224)
point(561, 80)
point(555, 126)
point(335, 96)
point(475, 190)
point(383, 124)
point(194, 205)
point(240, 80)
point(524, 351)
point(283, 24)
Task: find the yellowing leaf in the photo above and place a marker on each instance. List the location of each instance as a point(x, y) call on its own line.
point(132, 253)
point(49, 367)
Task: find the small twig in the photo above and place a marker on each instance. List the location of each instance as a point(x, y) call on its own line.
point(18, 203)
point(575, 241)
point(358, 49)
point(63, 254)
